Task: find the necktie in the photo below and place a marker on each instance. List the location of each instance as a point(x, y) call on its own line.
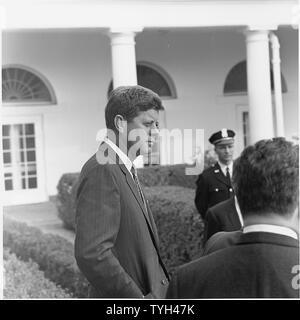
point(137, 182)
point(228, 174)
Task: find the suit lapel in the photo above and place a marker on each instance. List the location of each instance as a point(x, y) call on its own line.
point(220, 176)
point(234, 218)
point(135, 192)
point(133, 188)
point(153, 225)
point(104, 153)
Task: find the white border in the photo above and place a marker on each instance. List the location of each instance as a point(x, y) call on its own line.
point(2, 20)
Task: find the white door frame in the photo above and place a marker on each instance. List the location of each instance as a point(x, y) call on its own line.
point(24, 196)
point(240, 109)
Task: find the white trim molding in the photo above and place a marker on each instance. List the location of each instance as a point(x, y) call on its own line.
point(34, 14)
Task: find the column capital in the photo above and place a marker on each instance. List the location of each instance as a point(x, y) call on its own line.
point(257, 35)
point(125, 30)
point(124, 36)
point(266, 27)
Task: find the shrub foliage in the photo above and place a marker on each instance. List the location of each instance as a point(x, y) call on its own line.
point(24, 280)
point(179, 225)
point(53, 254)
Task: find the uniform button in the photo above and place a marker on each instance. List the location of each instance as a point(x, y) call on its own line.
point(230, 189)
point(216, 189)
point(164, 282)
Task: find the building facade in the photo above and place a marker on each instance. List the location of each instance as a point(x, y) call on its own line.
point(212, 62)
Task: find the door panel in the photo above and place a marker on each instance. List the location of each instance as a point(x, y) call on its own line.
point(23, 161)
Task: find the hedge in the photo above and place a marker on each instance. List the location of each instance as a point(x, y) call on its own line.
point(152, 176)
point(53, 254)
point(173, 175)
point(167, 176)
point(149, 177)
point(24, 280)
point(179, 225)
point(65, 200)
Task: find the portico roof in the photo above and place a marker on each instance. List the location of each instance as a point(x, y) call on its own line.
point(133, 14)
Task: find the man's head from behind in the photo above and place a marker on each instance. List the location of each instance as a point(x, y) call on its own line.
point(133, 108)
point(266, 178)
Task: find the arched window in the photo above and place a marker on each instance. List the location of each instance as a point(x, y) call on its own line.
point(236, 80)
point(21, 85)
point(153, 77)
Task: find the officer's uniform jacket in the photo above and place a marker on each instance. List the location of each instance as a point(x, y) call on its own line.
point(212, 187)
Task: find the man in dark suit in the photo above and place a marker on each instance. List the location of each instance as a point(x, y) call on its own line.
point(224, 216)
point(264, 261)
point(214, 183)
point(116, 244)
point(221, 240)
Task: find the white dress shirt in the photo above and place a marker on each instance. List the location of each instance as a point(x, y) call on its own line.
point(124, 158)
point(238, 210)
point(224, 166)
point(271, 229)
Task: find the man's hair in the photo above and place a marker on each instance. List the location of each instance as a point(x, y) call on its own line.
point(128, 101)
point(266, 177)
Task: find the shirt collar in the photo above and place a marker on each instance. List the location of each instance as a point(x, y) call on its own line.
point(224, 166)
point(272, 229)
point(127, 162)
point(238, 210)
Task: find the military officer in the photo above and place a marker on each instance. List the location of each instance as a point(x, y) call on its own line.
point(214, 183)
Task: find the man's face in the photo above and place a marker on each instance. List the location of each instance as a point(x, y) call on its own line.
point(225, 152)
point(143, 132)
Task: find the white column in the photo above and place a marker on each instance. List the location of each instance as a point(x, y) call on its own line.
point(123, 57)
point(277, 85)
point(259, 85)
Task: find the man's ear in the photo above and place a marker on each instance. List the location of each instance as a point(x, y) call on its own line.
point(120, 123)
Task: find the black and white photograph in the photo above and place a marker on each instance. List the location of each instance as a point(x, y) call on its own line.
point(150, 152)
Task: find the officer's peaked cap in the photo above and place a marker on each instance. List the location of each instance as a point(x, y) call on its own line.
point(224, 135)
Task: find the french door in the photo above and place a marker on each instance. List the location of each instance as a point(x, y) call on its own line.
point(23, 161)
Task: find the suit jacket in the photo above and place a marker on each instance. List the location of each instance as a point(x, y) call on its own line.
point(212, 187)
point(259, 266)
point(116, 243)
point(221, 240)
point(221, 217)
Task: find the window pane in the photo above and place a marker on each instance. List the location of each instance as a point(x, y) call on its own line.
point(30, 155)
point(21, 143)
point(8, 175)
point(150, 78)
point(8, 185)
point(20, 128)
point(6, 144)
point(6, 157)
point(22, 156)
point(5, 131)
point(23, 85)
point(32, 183)
point(29, 128)
point(30, 143)
point(23, 183)
point(31, 169)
